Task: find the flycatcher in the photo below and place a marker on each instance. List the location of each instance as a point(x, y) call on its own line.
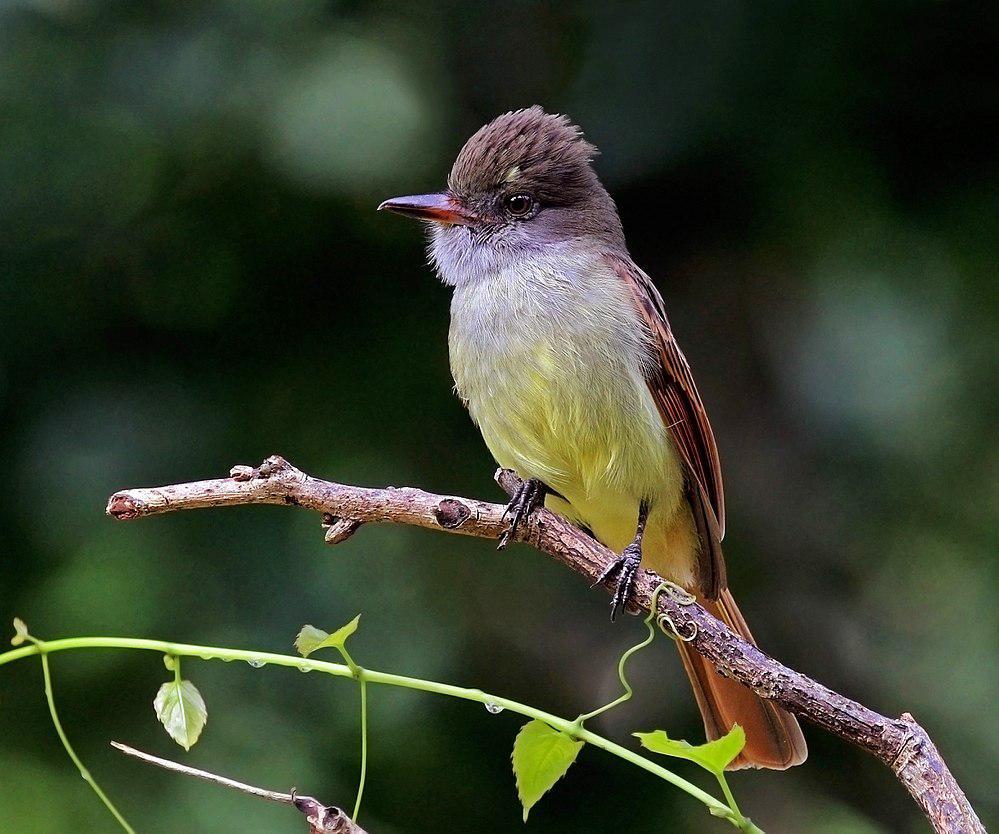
point(562, 352)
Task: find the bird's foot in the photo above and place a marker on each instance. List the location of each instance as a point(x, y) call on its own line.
point(529, 496)
point(625, 567)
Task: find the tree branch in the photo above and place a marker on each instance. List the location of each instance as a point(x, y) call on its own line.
point(322, 819)
point(900, 743)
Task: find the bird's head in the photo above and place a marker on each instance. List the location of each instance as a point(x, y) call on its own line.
point(522, 182)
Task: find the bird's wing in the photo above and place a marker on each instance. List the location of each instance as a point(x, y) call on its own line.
point(672, 386)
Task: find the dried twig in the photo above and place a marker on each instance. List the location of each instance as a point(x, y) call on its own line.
point(900, 743)
point(322, 819)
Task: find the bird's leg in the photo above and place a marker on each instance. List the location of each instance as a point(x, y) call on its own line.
point(626, 565)
point(529, 496)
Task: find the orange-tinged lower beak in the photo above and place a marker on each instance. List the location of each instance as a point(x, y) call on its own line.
point(438, 208)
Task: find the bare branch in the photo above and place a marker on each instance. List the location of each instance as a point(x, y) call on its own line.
point(322, 819)
point(900, 743)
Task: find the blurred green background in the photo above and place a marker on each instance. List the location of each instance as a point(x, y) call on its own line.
point(192, 275)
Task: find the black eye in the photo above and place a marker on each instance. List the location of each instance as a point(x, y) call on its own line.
point(519, 205)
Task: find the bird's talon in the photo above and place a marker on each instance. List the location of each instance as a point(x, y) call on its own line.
point(627, 566)
point(529, 496)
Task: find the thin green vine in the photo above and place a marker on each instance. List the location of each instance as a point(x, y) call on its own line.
point(40, 648)
point(359, 675)
point(257, 659)
point(364, 747)
point(628, 692)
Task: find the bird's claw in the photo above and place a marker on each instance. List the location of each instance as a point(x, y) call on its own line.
point(625, 567)
point(529, 496)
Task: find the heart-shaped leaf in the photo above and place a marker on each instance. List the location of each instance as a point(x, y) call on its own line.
point(311, 638)
point(714, 756)
point(541, 756)
point(182, 711)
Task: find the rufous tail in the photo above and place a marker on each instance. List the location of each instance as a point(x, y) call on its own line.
point(773, 737)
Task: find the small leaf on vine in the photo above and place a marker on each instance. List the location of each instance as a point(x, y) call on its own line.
point(713, 756)
point(541, 756)
point(311, 638)
point(20, 632)
point(182, 711)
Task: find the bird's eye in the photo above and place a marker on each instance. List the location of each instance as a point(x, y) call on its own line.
point(519, 205)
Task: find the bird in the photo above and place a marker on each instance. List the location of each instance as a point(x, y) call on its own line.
point(562, 352)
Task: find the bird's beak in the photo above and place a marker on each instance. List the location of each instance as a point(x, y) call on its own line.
point(438, 208)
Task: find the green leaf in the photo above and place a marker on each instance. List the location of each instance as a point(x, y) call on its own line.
point(541, 756)
point(20, 632)
point(311, 638)
point(182, 711)
point(714, 756)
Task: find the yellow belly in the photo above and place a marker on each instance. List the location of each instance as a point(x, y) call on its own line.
point(604, 449)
